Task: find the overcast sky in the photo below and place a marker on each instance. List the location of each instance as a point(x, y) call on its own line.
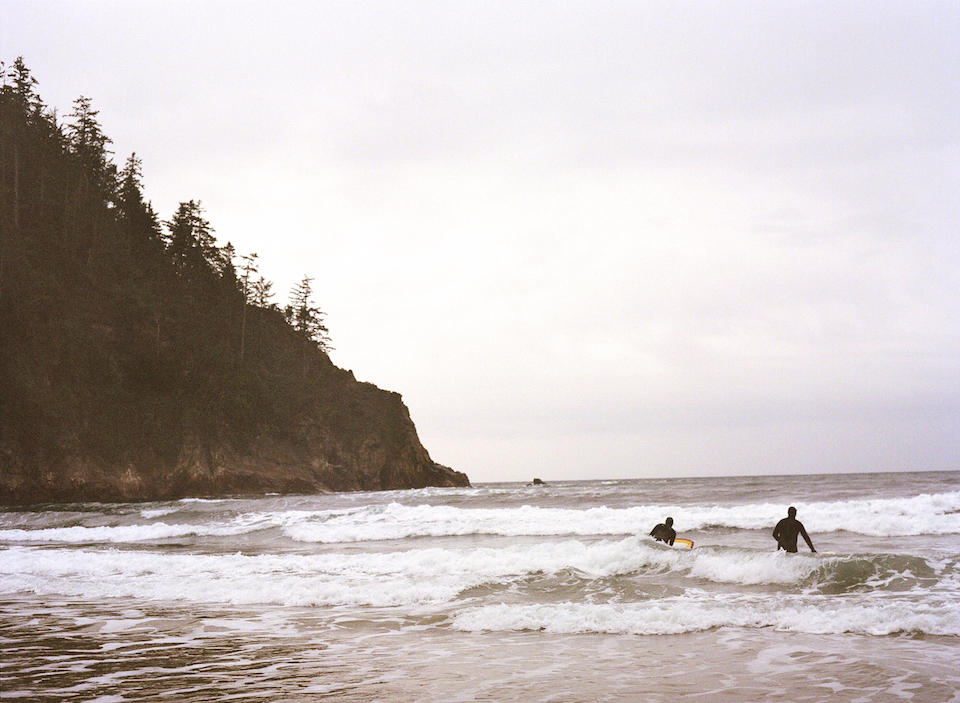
point(582, 239)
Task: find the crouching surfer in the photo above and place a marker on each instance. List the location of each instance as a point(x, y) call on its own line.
point(787, 530)
point(664, 532)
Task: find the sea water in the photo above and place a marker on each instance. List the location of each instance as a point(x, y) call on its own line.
point(501, 592)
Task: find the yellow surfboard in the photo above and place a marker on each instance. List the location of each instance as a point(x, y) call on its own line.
point(680, 542)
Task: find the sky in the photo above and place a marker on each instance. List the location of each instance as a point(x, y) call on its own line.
point(582, 239)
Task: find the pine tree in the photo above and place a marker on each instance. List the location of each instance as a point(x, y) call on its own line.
point(190, 242)
point(248, 268)
point(21, 110)
point(88, 143)
point(261, 292)
point(307, 320)
point(136, 217)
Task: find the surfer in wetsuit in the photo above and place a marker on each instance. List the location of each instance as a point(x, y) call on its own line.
point(787, 530)
point(664, 532)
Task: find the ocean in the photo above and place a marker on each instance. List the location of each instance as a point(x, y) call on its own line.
point(500, 592)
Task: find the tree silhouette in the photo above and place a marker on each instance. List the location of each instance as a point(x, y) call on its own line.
point(305, 317)
point(88, 144)
point(120, 333)
point(307, 320)
point(248, 268)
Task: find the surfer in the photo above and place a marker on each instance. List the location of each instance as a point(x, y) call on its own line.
point(787, 530)
point(664, 532)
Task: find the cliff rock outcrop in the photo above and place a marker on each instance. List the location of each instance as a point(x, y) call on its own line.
point(353, 437)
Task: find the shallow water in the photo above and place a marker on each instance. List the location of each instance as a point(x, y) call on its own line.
point(502, 592)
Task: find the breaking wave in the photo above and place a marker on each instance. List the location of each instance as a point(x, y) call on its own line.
point(920, 515)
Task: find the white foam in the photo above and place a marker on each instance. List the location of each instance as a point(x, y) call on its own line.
point(78, 534)
point(924, 514)
point(749, 567)
point(392, 578)
point(904, 516)
point(438, 576)
point(151, 513)
point(708, 611)
point(424, 576)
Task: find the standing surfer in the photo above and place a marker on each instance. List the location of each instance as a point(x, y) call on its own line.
point(787, 530)
point(664, 532)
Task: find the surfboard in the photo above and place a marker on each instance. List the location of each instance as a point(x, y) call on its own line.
point(680, 542)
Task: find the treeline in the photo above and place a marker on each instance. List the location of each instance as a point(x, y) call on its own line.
point(119, 331)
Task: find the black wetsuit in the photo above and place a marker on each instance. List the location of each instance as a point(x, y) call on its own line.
point(786, 533)
point(662, 533)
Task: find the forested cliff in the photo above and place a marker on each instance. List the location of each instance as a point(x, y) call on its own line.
point(139, 360)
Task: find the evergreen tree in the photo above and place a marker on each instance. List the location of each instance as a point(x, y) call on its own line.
point(307, 320)
point(261, 292)
point(190, 242)
point(23, 86)
point(248, 268)
point(137, 217)
point(88, 144)
point(21, 110)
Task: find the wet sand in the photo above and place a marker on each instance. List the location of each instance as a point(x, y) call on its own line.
point(68, 652)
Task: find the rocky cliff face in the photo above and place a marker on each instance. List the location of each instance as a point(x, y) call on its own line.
point(137, 363)
point(353, 437)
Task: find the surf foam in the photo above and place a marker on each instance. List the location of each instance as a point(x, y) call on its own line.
point(691, 614)
point(925, 514)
